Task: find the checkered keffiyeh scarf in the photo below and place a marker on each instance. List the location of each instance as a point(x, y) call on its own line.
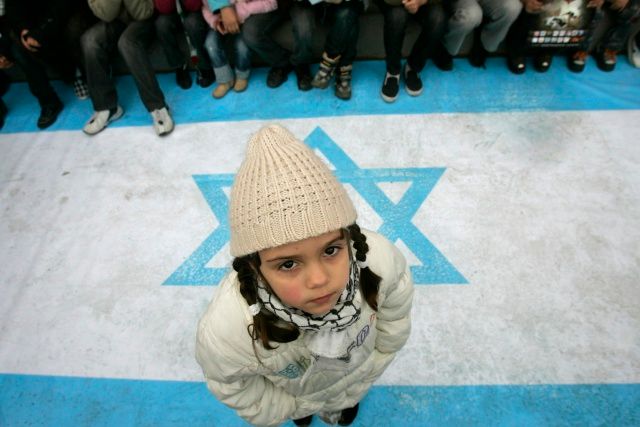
point(327, 335)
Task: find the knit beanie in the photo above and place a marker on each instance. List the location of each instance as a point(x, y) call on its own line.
point(283, 193)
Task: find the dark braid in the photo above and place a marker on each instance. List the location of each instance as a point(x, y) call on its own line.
point(369, 281)
point(264, 325)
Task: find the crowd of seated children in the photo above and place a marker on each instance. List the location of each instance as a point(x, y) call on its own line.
point(78, 40)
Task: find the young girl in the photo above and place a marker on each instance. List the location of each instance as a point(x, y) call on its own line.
point(316, 308)
point(239, 10)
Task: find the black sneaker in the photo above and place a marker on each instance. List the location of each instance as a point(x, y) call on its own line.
point(303, 422)
point(348, 415)
point(303, 75)
point(206, 77)
point(443, 59)
point(390, 87)
point(412, 81)
point(277, 76)
point(49, 114)
point(478, 55)
point(183, 78)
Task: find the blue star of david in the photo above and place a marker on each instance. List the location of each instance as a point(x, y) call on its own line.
point(396, 217)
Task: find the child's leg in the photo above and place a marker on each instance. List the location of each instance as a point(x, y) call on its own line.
point(243, 63)
point(343, 32)
point(465, 16)
point(620, 28)
point(501, 14)
point(395, 23)
point(197, 29)
point(215, 48)
point(303, 22)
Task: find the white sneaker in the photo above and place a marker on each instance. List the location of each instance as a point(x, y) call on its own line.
point(633, 52)
point(162, 121)
point(100, 119)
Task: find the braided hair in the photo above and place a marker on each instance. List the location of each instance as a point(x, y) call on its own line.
point(267, 327)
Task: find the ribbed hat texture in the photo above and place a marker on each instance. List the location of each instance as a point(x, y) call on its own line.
point(283, 193)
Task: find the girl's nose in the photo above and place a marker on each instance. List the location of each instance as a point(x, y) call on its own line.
point(318, 275)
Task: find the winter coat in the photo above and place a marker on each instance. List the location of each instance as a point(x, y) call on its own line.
point(167, 7)
point(109, 10)
point(287, 383)
point(244, 9)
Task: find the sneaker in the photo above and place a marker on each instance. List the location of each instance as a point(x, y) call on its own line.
point(49, 114)
point(606, 59)
point(542, 62)
point(303, 75)
point(278, 75)
point(80, 88)
point(390, 87)
point(303, 422)
point(478, 55)
point(240, 85)
point(100, 119)
point(443, 59)
point(348, 415)
point(577, 61)
point(633, 49)
point(206, 77)
point(221, 90)
point(325, 72)
point(412, 81)
point(343, 82)
point(183, 77)
point(162, 121)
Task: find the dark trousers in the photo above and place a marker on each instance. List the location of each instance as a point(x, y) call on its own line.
point(344, 27)
point(168, 27)
point(432, 19)
point(132, 40)
point(257, 33)
point(621, 22)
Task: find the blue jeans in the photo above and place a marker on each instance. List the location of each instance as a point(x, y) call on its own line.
point(621, 22)
point(257, 30)
point(466, 15)
point(169, 26)
point(214, 44)
point(432, 19)
point(344, 27)
point(132, 41)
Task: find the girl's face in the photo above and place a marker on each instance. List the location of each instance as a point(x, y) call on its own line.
point(310, 274)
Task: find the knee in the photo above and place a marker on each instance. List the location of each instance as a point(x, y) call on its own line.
point(128, 46)
point(510, 10)
point(164, 25)
point(468, 17)
point(397, 17)
point(193, 21)
point(346, 14)
point(251, 33)
point(91, 41)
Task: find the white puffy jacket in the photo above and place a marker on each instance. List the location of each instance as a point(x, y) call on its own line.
point(269, 389)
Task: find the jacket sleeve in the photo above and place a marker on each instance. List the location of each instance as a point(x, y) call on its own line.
point(139, 9)
point(106, 10)
point(394, 313)
point(244, 9)
point(232, 374)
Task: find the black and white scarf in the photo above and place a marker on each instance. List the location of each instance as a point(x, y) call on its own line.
point(326, 335)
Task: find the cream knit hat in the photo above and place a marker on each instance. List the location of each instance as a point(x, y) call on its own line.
point(283, 193)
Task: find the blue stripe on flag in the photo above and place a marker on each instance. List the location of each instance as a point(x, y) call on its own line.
point(463, 90)
point(67, 401)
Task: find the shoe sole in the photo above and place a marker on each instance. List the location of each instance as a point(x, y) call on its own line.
point(46, 125)
point(388, 99)
point(119, 113)
point(414, 92)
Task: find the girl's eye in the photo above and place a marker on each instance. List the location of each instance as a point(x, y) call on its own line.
point(332, 250)
point(287, 265)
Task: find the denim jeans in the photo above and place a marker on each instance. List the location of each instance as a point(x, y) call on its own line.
point(132, 41)
point(432, 20)
point(466, 15)
point(168, 27)
point(215, 43)
point(621, 22)
point(344, 27)
point(257, 29)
